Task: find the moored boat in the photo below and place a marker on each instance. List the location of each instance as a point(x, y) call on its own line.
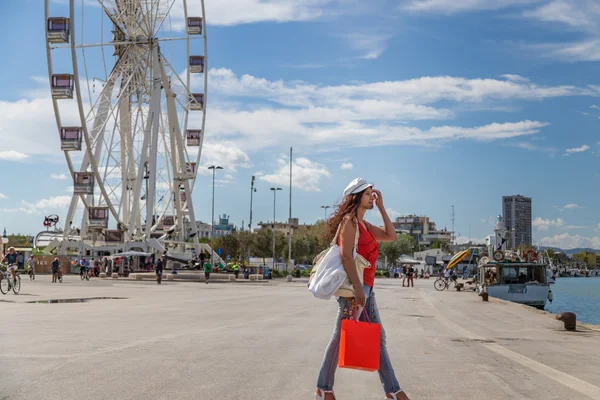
point(519, 282)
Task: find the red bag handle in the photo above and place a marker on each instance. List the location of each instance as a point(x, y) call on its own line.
point(366, 314)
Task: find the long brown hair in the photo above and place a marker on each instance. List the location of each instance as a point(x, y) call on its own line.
point(348, 206)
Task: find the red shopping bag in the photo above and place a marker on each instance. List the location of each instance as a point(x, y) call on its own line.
point(360, 345)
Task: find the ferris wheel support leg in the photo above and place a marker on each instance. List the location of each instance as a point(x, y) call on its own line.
point(154, 115)
point(125, 125)
point(178, 163)
point(151, 127)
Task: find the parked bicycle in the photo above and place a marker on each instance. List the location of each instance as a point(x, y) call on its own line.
point(7, 282)
point(441, 284)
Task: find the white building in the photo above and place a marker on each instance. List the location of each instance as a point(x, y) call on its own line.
point(437, 253)
point(204, 229)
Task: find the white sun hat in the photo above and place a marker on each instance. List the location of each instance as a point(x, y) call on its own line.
point(357, 186)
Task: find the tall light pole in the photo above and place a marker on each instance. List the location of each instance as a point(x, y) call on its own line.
point(274, 202)
point(252, 191)
point(325, 207)
point(212, 224)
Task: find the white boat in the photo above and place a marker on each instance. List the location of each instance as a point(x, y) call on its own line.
point(519, 282)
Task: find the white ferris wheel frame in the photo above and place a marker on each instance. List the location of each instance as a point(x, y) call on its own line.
point(135, 235)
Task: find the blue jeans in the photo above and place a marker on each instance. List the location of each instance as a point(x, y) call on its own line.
point(330, 361)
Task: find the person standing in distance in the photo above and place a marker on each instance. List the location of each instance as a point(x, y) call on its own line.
point(359, 197)
point(410, 274)
point(31, 265)
point(159, 269)
point(55, 267)
point(207, 269)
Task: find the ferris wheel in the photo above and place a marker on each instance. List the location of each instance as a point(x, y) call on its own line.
point(131, 127)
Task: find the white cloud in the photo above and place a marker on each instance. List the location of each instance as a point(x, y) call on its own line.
point(59, 177)
point(393, 214)
point(225, 154)
point(56, 203)
point(586, 50)
point(514, 78)
point(2, 196)
point(346, 166)
point(12, 155)
point(576, 15)
point(457, 6)
point(252, 113)
point(534, 147)
point(543, 224)
point(257, 113)
point(491, 220)
point(307, 174)
point(570, 206)
point(374, 216)
point(580, 149)
point(568, 241)
point(235, 12)
point(371, 45)
point(53, 203)
point(464, 240)
point(421, 91)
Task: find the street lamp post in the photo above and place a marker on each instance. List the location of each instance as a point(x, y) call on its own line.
point(252, 191)
point(212, 224)
point(274, 202)
point(325, 207)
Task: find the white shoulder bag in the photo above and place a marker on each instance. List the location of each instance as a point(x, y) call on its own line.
point(328, 276)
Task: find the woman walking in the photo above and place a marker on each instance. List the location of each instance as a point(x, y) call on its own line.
point(55, 266)
point(359, 197)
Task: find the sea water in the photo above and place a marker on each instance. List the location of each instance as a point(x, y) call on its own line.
point(578, 295)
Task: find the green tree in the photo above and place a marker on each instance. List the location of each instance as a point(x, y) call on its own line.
point(18, 240)
point(302, 249)
point(245, 239)
point(406, 243)
point(263, 244)
point(390, 250)
point(229, 245)
point(440, 244)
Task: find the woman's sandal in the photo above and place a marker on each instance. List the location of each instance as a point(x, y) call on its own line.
point(394, 395)
point(320, 394)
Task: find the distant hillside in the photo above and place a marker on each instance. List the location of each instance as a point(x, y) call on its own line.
point(570, 252)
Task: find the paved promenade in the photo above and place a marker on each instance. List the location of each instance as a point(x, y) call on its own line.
point(258, 341)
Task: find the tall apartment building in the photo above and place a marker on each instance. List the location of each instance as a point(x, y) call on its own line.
point(516, 212)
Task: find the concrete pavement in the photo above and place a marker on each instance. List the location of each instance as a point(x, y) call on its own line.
point(265, 340)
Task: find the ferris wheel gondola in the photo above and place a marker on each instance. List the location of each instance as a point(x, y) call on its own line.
point(131, 146)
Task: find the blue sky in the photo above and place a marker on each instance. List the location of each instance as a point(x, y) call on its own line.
point(438, 102)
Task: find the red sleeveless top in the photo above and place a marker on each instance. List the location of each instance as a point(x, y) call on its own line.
point(369, 249)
